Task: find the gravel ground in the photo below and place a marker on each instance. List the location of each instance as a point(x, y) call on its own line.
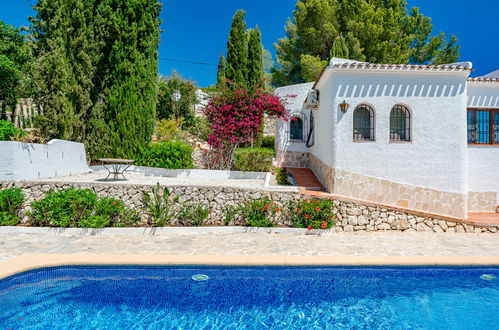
point(134, 179)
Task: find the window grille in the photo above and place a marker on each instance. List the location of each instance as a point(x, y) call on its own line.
point(400, 124)
point(483, 126)
point(363, 123)
point(296, 129)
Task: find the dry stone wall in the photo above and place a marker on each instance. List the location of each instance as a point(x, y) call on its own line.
point(354, 216)
point(351, 216)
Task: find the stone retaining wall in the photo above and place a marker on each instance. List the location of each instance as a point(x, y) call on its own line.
point(352, 216)
point(216, 198)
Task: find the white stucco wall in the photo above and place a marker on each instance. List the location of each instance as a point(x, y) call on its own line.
point(483, 161)
point(324, 124)
point(435, 158)
point(294, 97)
point(26, 161)
point(483, 169)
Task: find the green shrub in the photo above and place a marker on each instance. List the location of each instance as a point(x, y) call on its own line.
point(167, 130)
point(259, 213)
point(11, 202)
point(268, 142)
point(193, 215)
point(253, 159)
point(281, 177)
point(8, 131)
point(168, 154)
point(94, 221)
point(80, 208)
point(63, 208)
point(199, 127)
point(316, 213)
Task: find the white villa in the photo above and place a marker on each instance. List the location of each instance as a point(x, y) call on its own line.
point(419, 137)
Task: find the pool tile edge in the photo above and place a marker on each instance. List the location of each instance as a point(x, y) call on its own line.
point(34, 261)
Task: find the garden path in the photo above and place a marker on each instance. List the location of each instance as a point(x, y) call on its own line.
point(336, 244)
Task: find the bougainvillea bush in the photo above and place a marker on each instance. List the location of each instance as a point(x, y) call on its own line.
point(235, 118)
point(312, 213)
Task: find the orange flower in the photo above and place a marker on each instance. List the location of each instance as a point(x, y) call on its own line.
point(317, 209)
point(114, 203)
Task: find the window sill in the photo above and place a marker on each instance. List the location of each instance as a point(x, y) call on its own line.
point(409, 141)
point(363, 140)
point(483, 144)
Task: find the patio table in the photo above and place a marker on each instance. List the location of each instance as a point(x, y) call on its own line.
point(116, 167)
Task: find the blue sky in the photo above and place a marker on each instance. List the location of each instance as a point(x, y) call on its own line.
point(197, 30)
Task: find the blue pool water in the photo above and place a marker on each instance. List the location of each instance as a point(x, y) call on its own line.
point(251, 298)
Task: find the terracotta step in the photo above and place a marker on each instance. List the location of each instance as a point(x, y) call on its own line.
point(305, 178)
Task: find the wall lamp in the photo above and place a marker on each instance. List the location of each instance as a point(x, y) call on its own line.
point(344, 106)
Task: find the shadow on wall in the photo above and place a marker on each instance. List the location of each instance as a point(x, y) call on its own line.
point(400, 90)
point(484, 100)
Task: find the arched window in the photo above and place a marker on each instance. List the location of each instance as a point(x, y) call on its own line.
point(400, 124)
point(363, 123)
point(296, 129)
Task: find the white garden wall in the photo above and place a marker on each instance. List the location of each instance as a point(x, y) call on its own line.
point(26, 161)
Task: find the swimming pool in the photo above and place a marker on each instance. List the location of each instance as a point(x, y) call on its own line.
point(159, 297)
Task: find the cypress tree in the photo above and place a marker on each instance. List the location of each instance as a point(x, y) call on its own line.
point(95, 72)
point(340, 48)
point(62, 69)
point(256, 72)
point(237, 51)
point(221, 71)
point(129, 68)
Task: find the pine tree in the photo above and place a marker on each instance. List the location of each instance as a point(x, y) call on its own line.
point(377, 31)
point(256, 72)
point(237, 51)
point(221, 71)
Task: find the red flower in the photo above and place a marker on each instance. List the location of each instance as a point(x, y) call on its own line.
point(294, 119)
point(297, 210)
point(278, 210)
point(309, 227)
point(307, 216)
point(267, 205)
point(324, 225)
point(317, 209)
point(279, 117)
point(114, 203)
point(263, 209)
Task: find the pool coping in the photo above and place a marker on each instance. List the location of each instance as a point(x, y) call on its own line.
point(29, 262)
